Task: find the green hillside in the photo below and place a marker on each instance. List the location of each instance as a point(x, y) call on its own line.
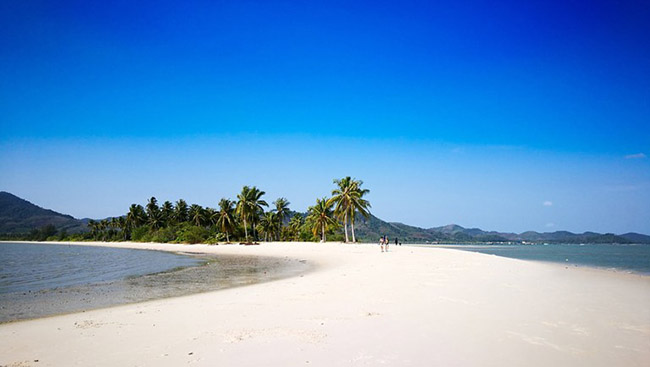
point(19, 216)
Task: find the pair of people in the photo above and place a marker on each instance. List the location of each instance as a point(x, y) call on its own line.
point(383, 243)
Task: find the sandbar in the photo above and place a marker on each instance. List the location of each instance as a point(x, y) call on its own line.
point(358, 306)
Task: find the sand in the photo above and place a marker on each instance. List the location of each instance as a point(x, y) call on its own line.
point(358, 306)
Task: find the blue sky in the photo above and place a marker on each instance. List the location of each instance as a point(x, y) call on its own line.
point(507, 116)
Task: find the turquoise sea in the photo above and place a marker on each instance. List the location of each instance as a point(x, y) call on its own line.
point(628, 257)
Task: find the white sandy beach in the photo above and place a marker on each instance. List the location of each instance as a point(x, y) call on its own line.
point(409, 307)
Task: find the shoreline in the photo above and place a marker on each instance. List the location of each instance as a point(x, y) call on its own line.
point(167, 247)
point(409, 306)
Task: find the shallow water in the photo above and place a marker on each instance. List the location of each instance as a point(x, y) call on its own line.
point(619, 257)
point(30, 267)
point(167, 275)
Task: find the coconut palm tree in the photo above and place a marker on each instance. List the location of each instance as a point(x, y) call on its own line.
point(121, 223)
point(268, 225)
point(197, 215)
point(210, 216)
point(103, 225)
point(281, 210)
point(136, 216)
point(181, 211)
point(249, 205)
point(342, 201)
point(226, 219)
point(94, 227)
point(358, 204)
point(294, 225)
point(153, 214)
point(321, 218)
point(167, 213)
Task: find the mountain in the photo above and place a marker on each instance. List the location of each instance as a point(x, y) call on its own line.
point(369, 230)
point(636, 237)
point(21, 216)
point(372, 228)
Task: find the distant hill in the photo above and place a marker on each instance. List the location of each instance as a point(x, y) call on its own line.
point(371, 229)
point(636, 237)
point(21, 216)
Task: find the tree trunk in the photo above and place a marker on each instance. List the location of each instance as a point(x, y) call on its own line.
point(354, 240)
point(345, 226)
point(323, 232)
point(227, 238)
point(245, 229)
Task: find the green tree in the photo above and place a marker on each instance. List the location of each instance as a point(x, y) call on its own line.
point(167, 213)
point(281, 210)
point(121, 223)
point(197, 215)
point(294, 226)
point(153, 214)
point(181, 213)
point(226, 220)
point(348, 200)
point(135, 218)
point(94, 227)
point(358, 204)
point(249, 205)
point(341, 198)
point(269, 225)
point(211, 216)
point(320, 218)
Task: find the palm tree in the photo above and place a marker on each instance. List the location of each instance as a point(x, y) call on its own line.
point(348, 198)
point(94, 227)
point(358, 204)
point(294, 225)
point(269, 225)
point(153, 213)
point(249, 205)
point(321, 218)
point(136, 216)
point(197, 215)
point(341, 198)
point(210, 216)
point(167, 213)
point(180, 211)
point(281, 209)
point(226, 219)
point(121, 223)
point(103, 225)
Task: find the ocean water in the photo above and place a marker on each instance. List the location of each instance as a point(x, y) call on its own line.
point(35, 267)
point(38, 280)
point(629, 257)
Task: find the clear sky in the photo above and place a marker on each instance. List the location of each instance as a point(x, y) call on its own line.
point(509, 116)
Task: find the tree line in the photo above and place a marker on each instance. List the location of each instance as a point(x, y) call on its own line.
point(247, 218)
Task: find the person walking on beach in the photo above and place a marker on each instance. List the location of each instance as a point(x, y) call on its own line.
point(396, 241)
point(381, 243)
point(386, 241)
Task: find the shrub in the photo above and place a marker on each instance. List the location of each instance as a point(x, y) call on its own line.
point(193, 234)
point(141, 234)
point(164, 235)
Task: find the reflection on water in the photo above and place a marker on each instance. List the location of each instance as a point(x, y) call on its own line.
point(216, 273)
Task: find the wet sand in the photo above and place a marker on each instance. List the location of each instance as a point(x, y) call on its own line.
point(215, 273)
